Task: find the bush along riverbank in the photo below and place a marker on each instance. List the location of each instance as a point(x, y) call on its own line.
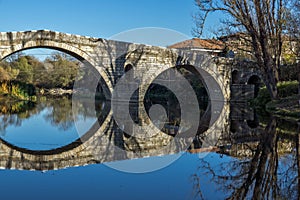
point(287, 105)
point(26, 78)
point(16, 91)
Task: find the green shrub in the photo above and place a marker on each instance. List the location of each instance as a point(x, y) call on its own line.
point(289, 72)
point(285, 89)
point(17, 90)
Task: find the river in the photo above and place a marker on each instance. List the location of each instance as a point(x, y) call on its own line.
point(61, 148)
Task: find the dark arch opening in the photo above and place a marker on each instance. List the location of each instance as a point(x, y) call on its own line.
point(234, 126)
point(157, 94)
point(256, 81)
point(130, 76)
point(128, 67)
point(254, 123)
point(235, 77)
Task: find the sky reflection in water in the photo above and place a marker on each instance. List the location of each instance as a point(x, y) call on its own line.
point(46, 128)
point(272, 157)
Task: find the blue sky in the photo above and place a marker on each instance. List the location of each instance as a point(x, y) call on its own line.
point(98, 18)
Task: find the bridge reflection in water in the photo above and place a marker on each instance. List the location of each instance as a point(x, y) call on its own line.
point(264, 153)
point(105, 142)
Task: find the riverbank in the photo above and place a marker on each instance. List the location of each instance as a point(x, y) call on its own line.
point(287, 106)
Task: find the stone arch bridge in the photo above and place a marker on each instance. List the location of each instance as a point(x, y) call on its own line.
point(110, 59)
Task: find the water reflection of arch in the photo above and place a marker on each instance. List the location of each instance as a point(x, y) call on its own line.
point(100, 124)
point(99, 145)
point(73, 154)
point(103, 145)
point(246, 129)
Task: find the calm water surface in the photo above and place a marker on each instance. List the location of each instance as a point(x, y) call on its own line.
point(257, 158)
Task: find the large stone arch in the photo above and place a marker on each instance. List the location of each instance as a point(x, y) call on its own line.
point(215, 78)
point(13, 42)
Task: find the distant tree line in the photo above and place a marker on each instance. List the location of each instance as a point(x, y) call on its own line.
point(56, 71)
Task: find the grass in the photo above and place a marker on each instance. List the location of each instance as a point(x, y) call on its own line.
point(288, 106)
point(288, 103)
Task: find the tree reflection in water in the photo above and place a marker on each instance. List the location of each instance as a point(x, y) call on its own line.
point(268, 168)
point(60, 112)
point(12, 113)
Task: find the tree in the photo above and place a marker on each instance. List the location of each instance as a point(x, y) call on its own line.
point(262, 21)
point(293, 29)
point(25, 70)
point(293, 26)
point(62, 71)
point(4, 76)
point(7, 72)
point(268, 169)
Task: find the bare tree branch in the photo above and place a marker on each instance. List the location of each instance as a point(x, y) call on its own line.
point(262, 21)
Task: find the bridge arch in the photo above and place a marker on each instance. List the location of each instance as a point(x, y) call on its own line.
point(213, 88)
point(235, 76)
point(13, 42)
point(255, 80)
point(128, 67)
point(77, 53)
point(208, 68)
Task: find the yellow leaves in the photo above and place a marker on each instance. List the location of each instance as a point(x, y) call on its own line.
point(3, 109)
point(4, 89)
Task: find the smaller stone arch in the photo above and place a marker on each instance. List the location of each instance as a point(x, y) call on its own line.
point(253, 123)
point(255, 80)
point(128, 67)
point(235, 76)
point(234, 126)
